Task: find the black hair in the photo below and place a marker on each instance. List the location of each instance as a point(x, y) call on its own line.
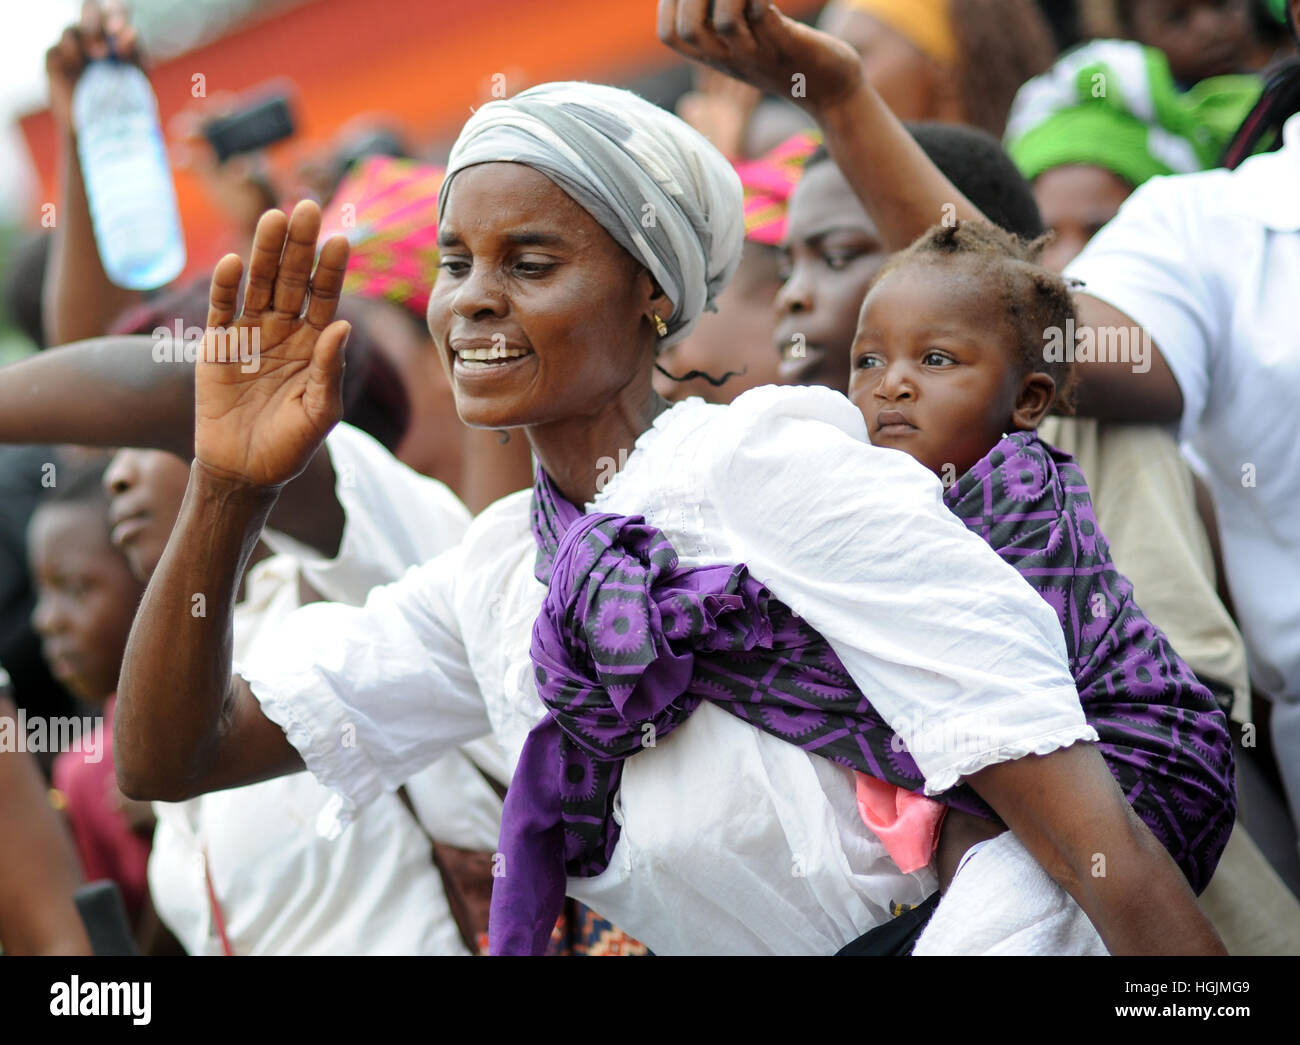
point(975, 162)
point(691, 375)
point(1268, 30)
point(1036, 299)
point(1263, 124)
point(374, 398)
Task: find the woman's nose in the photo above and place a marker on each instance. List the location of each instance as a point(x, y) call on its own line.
point(121, 473)
point(478, 294)
point(795, 295)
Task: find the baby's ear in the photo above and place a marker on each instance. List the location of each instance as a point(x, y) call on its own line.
point(1035, 398)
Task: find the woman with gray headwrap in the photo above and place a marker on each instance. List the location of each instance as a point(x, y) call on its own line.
point(681, 636)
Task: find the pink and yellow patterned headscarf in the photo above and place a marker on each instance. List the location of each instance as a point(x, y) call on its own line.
point(768, 182)
point(388, 210)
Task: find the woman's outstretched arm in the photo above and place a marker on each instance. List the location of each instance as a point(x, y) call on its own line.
point(112, 392)
point(1068, 813)
point(108, 391)
point(184, 725)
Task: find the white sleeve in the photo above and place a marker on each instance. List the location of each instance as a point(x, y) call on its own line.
point(371, 695)
point(1150, 263)
point(953, 648)
point(395, 518)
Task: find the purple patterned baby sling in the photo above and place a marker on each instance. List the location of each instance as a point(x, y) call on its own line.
point(1161, 732)
point(626, 647)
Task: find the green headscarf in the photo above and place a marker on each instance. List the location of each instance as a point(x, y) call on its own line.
point(1114, 104)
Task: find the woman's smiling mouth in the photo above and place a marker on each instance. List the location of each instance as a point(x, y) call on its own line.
point(495, 355)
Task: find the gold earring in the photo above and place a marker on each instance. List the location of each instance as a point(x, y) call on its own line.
point(661, 328)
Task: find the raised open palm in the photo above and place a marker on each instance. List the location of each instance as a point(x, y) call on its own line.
point(268, 385)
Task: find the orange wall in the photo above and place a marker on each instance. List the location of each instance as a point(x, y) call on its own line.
point(425, 61)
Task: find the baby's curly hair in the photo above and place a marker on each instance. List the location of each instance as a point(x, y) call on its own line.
point(1037, 300)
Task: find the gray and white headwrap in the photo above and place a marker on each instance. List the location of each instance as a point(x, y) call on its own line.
point(655, 184)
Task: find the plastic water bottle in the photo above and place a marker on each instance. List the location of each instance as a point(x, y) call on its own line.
point(128, 181)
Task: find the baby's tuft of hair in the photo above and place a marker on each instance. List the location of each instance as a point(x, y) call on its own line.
point(1038, 301)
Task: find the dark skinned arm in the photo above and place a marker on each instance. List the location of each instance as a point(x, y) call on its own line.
point(1068, 812)
point(80, 301)
point(1112, 391)
point(900, 187)
point(173, 742)
point(38, 865)
point(110, 392)
point(184, 725)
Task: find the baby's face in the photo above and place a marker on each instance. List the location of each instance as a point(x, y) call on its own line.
point(932, 365)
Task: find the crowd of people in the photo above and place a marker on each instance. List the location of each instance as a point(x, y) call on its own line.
point(853, 514)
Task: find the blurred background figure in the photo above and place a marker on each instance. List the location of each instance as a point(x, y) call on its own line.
point(1103, 120)
point(86, 598)
point(1201, 38)
point(957, 61)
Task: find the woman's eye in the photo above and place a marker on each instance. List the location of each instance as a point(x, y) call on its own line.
point(454, 266)
point(837, 262)
point(533, 268)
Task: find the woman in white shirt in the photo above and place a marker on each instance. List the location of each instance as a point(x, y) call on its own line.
point(581, 228)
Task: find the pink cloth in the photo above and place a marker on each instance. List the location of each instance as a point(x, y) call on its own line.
point(768, 183)
point(907, 823)
point(106, 844)
point(388, 210)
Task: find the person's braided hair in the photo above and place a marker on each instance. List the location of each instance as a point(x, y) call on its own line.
point(1262, 126)
point(1037, 300)
point(1001, 44)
